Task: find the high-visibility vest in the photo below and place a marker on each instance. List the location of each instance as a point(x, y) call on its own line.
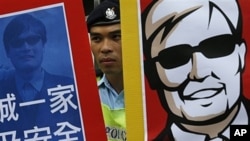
point(115, 123)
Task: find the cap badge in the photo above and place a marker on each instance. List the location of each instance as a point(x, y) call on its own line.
point(110, 13)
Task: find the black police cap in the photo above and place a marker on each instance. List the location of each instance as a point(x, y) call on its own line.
point(107, 12)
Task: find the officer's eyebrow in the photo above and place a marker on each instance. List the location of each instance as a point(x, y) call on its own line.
point(94, 33)
point(116, 31)
point(111, 32)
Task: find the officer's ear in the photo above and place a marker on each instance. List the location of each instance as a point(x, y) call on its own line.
point(242, 53)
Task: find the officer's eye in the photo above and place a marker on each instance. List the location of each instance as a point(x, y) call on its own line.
point(116, 37)
point(95, 38)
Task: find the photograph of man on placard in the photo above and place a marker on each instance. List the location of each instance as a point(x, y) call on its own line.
point(38, 92)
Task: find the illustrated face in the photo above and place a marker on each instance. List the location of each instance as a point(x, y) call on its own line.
point(201, 61)
point(106, 48)
point(26, 52)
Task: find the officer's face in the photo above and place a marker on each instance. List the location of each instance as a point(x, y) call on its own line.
point(106, 47)
point(26, 52)
point(205, 55)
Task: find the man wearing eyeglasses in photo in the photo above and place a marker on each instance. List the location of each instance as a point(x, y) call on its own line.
point(194, 59)
point(28, 86)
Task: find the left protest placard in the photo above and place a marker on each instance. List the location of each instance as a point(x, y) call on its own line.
point(47, 73)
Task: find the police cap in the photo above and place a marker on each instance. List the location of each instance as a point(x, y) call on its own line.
point(107, 12)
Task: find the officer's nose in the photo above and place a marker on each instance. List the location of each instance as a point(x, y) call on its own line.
point(106, 46)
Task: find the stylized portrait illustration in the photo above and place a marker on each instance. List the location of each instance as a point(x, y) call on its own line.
point(194, 57)
point(36, 104)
